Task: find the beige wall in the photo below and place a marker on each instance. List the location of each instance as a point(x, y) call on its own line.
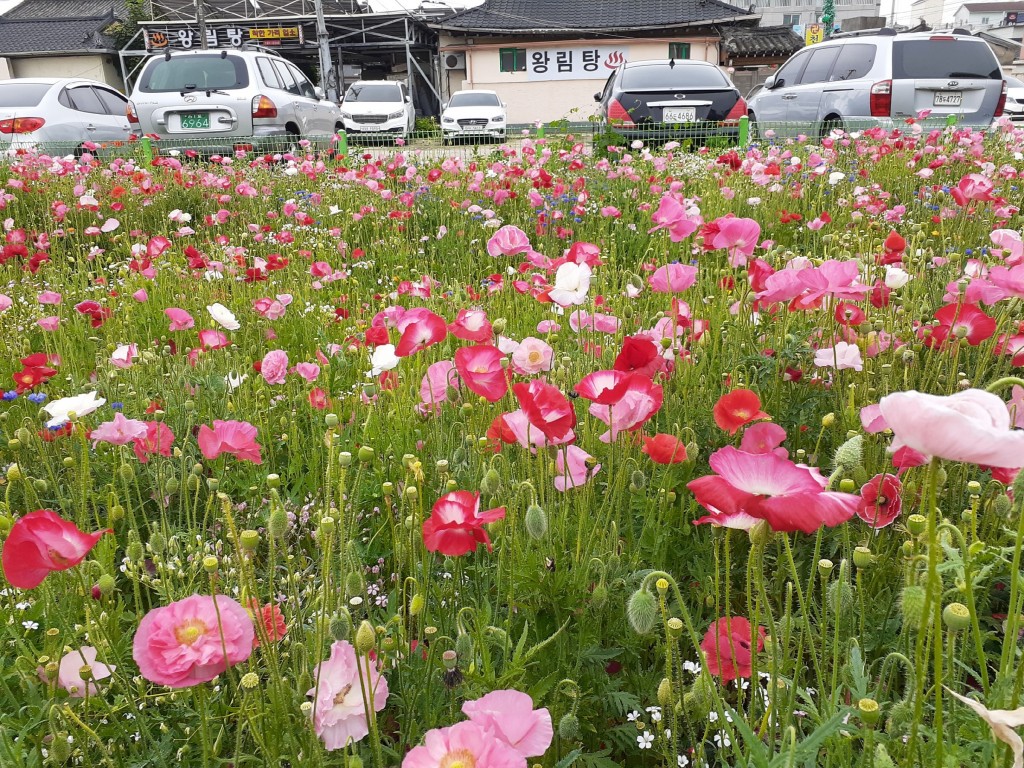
point(530, 101)
point(102, 68)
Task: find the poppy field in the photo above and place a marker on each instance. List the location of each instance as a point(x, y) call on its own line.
point(542, 456)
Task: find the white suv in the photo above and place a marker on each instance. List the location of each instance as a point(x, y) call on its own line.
point(231, 99)
point(378, 107)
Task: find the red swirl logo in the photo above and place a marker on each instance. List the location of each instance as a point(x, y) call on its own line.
point(614, 59)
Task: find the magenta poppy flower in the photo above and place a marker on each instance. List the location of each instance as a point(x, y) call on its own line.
point(471, 325)
point(738, 236)
point(547, 408)
point(180, 319)
point(729, 647)
point(748, 487)
point(764, 437)
point(41, 542)
point(420, 329)
point(672, 278)
point(672, 216)
point(156, 442)
point(456, 524)
point(508, 241)
point(481, 370)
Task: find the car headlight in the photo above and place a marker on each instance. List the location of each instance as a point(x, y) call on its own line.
point(498, 119)
point(396, 115)
point(346, 115)
point(447, 119)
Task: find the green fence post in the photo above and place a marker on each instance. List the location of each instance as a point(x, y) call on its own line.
point(343, 143)
point(540, 131)
point(950, 121)
point(744, 131)
point(147, 149)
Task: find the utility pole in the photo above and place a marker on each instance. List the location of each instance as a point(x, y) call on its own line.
point(201, 20)
point(327, 83)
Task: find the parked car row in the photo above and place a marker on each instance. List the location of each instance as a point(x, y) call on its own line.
point(256, 99)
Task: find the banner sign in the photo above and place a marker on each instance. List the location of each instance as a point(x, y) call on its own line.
point(593, 62)
point(187, 38)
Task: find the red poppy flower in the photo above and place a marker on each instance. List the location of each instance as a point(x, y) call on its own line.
point(41, 542)
point(547, 408)
point(271, 618)
point(880, 500)
point(456, 524)
point(641, 355)
point(849, 314)
point(962, 321)
point(739, 407)
point(729, 647)
point(420, 329)
point(481, 370)
point(664, 449)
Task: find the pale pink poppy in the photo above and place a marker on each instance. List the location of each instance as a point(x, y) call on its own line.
point(119, 431)
point(510, 716)
point(972, 426)
point(572, 470)
point(532, 356)
point(440, 377)
point(211, 339)
point(274, 366)
point(764, 437)
point(672, 278)
point(871, 419)
point(508, 241)
point(141, 296)
point(1009, 244)
point(581, 319)
point(1016, 406)
point(340, 704)
point(49, 297)
point(180, 319)
point(639, 399)
point(5, 302)
point(191, 641)
point(842, 357)
point(48, 323)
point(465, 744)
point(124, 355)
point(237, 438)
point(738, 236)
point(69, 672)
point(308, 371)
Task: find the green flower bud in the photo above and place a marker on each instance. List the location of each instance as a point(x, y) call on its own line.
point(416, 604)
point(642, 611)
point(331, 420)
point(666, 696)
point(917, 524)
point(277, 525)
point(956, 617)
point(366, 638)
point(912, 605)
point(569, 727)
point(60, 747)
point(600, 595)
point(536, 522)
point(353, 584)
point(106, 584)
point(491, 482)
point(134, 551)
point(869, 712)
point(862, 557)
point(157, 542)
point(341, 626)
point(464, 647)
point(249, 539)
point(365, 454)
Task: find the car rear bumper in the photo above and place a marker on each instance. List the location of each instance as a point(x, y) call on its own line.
point(661, 132)
point(267, 140)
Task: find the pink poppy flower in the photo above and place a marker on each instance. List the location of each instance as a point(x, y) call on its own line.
point(481, 370)
point(420, 329)
point(156, 442)
point(1016, 406)
point(141, 296)
point(546, 408)
point(1010, 245)
point(572, 470)
point(871, 419)
point(729, 647)
point(972, 426)
point(672, 278)
point(48, 323)
point(211, 339)
point(508, 241)
point(237, 438)
point(69, 672)
point(762, 486)
point(671, 215)
point(272, 309)
point(120, 431)
point(439, 378)
point(156, 246)
point(456, 524)
point(5, 302)
point(274, 366)
point(640, 398)
point(471, 325)
point(339, 705)
point(973, 186)
point(308, 371)
point(597, 321)
point(124, 355)
point(738, 236)
point(1009, 279)
point(49, 297)
point(191, 641)
point(764, 437)
point(532, 356)
point(842, 357)
point(468, 744)
point(520, 430)
point(180, 319)
point(510, 716)
point(41, 542)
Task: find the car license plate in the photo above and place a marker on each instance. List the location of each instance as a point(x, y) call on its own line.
point(948, 98)
point(194, 121)
point(677, 115)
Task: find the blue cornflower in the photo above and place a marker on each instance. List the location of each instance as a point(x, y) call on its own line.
point(37, 397)
point(117, 406)
point(10, 395)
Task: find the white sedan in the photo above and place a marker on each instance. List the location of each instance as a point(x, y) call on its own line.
point(474, 114)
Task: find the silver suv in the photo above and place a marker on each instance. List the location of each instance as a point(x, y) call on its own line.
point(881, 77)
point(231, 99)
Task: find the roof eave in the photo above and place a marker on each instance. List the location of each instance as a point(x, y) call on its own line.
point(551, 30)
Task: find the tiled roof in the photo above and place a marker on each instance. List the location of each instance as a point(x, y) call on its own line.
point(760, 41)
point(543, 16)
point(54, 36)
point(66, 9)
point(982, 7)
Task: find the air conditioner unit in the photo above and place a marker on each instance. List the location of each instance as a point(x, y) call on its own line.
point(454, 60)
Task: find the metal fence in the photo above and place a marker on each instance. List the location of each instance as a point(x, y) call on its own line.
point(599, 138)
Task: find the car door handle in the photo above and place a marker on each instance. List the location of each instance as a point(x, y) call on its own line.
point(227, 119)
point(789, 96)
point(90, 127)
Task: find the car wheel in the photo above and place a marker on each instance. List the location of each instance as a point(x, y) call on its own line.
point(829, 124)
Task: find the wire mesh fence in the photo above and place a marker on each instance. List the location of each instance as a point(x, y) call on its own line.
point(596, 137)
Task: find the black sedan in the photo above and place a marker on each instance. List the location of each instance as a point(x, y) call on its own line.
point(664, 100)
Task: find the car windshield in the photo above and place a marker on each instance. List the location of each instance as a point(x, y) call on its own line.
point(474, 100)
point(195, 73)
point(15, 94)
point(372, 92)
point(666, 77)
point(944, 59)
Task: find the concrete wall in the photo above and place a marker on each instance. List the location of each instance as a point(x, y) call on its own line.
point(531, 101)
point(103, 68)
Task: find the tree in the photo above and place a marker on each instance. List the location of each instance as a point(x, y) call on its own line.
point(828, 16)
point(123, 31)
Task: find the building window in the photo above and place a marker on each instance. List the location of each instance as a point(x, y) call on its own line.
point(679, 50)
point(790, 19)
point(984, 19)
point(512, 59)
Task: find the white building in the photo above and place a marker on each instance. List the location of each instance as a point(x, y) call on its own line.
point(792, 13)
point(984, 16)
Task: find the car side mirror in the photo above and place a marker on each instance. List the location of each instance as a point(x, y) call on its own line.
point(769, 82)
point(319, 93)
point(444, 106)
point(408, 99)
point(597, 97)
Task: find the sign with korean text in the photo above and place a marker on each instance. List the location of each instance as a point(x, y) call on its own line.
point(815, 33)
point(230, 36)
point(594, 62)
